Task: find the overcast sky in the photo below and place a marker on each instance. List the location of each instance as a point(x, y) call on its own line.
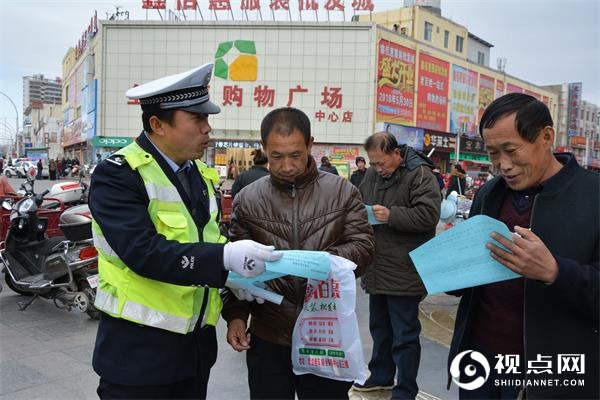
point(544, 41)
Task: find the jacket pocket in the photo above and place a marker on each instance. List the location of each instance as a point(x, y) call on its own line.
point(173, 226)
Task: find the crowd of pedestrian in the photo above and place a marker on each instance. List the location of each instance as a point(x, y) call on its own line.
point(57, 167)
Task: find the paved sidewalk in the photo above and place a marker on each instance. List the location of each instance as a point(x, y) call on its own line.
point(45, 353)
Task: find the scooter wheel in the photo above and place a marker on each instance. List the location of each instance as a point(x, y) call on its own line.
point(11, 284)
point(85, 287)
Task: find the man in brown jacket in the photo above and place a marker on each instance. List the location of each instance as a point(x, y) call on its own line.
point(406, 199)
point(295, 207)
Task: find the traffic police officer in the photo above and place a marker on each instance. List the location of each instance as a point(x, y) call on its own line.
point(161, 255)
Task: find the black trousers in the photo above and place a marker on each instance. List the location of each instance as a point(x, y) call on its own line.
point(194, 388)
point(270, 376)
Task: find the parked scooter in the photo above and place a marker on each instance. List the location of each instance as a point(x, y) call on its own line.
point(69, 192)
point(60, 268)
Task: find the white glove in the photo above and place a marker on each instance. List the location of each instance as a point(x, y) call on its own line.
point(243, 294)
point(247, 257)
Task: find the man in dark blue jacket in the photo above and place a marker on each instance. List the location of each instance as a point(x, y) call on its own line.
point(542, 326)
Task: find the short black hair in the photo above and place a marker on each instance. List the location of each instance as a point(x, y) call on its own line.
point(259, 158)
point(384, 141)
point(167, 116)
point(459, 168)
point(285, 121)
point(359, 159)
point(531, 114)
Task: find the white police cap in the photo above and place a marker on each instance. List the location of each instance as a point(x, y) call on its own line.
point(186, 91)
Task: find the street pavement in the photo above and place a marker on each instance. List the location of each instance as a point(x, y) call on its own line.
point(45, 352)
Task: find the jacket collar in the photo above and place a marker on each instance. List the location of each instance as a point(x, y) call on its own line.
point(259, 167)
point(176, 168)
point(559, 182)
point(413, 159)
point(562, 178)
point(310, 175)
point(144, 142)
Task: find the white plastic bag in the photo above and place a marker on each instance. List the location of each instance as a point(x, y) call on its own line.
point(326, 340)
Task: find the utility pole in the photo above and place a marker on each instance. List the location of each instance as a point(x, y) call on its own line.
point(16, 120)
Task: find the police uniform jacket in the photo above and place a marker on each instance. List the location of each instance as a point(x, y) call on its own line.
point(127, 353)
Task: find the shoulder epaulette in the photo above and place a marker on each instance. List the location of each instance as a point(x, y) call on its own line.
point(117, 159)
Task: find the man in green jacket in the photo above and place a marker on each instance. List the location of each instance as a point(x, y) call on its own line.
point(405, 197)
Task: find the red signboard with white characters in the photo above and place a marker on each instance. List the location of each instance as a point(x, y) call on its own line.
point(395, 83)
point(154, 4)
point(432, 98)
point(574, 102)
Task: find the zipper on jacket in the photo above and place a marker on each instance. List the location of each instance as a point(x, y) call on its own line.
point(295, 240)
point(472, 291)
point(524, 302)
point(296, 246)
point(469, 309)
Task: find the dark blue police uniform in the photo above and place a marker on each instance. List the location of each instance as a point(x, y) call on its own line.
point(129, 354)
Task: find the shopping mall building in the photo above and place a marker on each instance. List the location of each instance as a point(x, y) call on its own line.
point(351, 78)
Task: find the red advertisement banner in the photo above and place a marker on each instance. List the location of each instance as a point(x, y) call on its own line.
point(432, 99)
point(395, 83)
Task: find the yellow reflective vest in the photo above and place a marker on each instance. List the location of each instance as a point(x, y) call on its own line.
point(122, 293)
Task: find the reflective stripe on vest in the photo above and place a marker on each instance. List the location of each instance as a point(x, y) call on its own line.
point(124, 294)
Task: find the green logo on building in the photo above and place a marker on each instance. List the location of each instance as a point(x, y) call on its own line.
point(111, 141)
point(245, 65)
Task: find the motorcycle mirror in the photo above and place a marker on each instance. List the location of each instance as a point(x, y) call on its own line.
point(31, 174)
